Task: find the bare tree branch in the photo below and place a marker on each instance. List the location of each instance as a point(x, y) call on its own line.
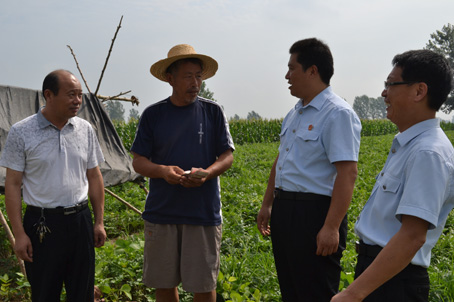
point(80, 71)
point(133, 99)
point(108, 56)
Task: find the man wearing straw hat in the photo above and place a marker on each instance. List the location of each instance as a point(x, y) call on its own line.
point(183, 144)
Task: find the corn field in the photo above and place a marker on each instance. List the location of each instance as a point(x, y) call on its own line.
point(267, 131)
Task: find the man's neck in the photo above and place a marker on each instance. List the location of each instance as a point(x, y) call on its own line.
point(180, 102)
point(54, 120)
point(316, 91)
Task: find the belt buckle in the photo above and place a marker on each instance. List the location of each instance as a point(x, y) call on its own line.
point(70, 210)
point(276, 193)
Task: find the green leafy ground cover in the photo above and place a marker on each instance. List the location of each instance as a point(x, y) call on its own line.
point(247, 266)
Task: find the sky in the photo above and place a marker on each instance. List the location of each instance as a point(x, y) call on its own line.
point(249, 39)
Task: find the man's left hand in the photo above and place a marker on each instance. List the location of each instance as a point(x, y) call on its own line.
point(189, 181)
point(327, 241)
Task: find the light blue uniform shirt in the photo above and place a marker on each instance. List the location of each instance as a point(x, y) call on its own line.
point(313, 137)
point(417, 180)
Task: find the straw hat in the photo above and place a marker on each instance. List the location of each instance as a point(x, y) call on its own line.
point(183, 51)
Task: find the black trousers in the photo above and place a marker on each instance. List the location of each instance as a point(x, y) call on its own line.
point(304, 276)
point(410, 285)
point(66, 255)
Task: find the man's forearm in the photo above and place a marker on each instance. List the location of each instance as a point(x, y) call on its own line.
point(222, 164)
point(96, 193)
point(13, 200)
point(268, 198)
point(342, 193)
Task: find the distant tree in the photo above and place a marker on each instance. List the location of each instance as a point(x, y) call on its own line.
point(115, 110)
point(236, 117)
point(133, 114)
point(369, 108)
point(253, 116)
point(442, 42)
point(206, 93)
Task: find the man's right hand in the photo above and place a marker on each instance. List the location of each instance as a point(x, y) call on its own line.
point(172, 174)
point(23, 248)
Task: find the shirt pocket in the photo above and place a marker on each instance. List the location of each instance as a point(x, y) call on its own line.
point(310, 144)
point(282, 140)
point(389, 184)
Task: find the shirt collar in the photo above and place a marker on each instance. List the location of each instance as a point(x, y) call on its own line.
point(318, 101)
point(404, 137)
point(43, 122)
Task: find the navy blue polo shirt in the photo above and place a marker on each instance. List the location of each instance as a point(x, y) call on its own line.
point(183, 136)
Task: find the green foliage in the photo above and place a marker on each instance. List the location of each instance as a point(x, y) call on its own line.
point(377, 127)
point(205, 92)
point(134, 114)
point(126, 131)
point(442, 42)
point(119, 270)
point(17, 289)
point(247, 270)
point(255, 131)
point(253, 116)
point(369, 108)
point(115, 110)
point(267, 131)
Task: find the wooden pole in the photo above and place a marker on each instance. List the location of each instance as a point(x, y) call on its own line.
point(78, 68)
point(133, 99)
point(123, 201)
point(144, 188)
point(11, 239)
point(108, 56)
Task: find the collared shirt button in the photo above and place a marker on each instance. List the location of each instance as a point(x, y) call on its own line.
point(384, 187)
point(382, 173)
point(300, 112)
point(280, 168)
point(286, 149)
point(294, 130)
point(393, 150)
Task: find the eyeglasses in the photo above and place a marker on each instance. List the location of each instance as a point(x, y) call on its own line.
point(388, 84)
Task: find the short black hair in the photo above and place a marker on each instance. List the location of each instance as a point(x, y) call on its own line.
point(314, 52)
point(428, 67)
point(52, 81)
point(176, 65)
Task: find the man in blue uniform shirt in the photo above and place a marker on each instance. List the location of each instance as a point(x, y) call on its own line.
point(311, 182)
point(183, 144)
point(413, 195)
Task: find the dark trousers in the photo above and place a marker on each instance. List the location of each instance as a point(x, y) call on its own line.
point(410, 285)
point(66, 255)
point(304, 276)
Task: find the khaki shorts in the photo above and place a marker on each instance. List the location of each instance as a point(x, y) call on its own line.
point(182, 253)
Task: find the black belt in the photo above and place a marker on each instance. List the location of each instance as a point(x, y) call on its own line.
point(373, 251)
point(280, 194)
point(368, 250)
point(60, 210)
